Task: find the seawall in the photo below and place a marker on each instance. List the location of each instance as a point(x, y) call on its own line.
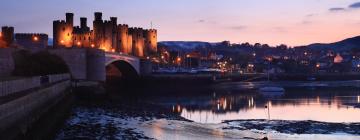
point(21, 109)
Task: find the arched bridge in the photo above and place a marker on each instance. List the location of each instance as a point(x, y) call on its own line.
point(97, 65)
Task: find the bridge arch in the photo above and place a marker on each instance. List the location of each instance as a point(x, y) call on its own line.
point(121, 69)
point(122, 66)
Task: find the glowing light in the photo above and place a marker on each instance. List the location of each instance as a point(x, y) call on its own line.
point(62, 41)
point(178, 59)
point(92, 45)
point(188, 55)
point(112, 50)
point(162, 57)
point(224, 104)
point(78, 43)
point(0, 34)
point(317, 65)
point(358, 99)
point(305, 53)
point(338, 58)
point(254, 54)
point(148, 57)
point(358, 65)
point(178, 108)
point(35, 38)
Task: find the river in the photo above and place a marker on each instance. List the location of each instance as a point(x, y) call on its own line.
point(227, 112)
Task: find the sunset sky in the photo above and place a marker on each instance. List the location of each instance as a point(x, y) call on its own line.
point(293, 22)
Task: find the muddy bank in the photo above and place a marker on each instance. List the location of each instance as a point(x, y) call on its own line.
point(295, 127)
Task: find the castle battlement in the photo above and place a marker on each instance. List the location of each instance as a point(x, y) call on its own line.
point(151, 30)
point(60, 21)
point(123, 25)
point(30, 34)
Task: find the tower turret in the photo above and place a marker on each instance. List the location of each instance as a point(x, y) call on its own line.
point(70, 18)
point(7, 35)
point(98, 16)
point(83, 22)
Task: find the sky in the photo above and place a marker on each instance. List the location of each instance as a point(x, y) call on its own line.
point(291, 22)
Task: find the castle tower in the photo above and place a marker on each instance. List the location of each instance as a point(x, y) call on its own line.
point(82, 36)
point(70, 18)
point(150, 41)
point(123, 39)
point(138, 41)
point(83, 23)
point(98, 29)
point(114, 34)
point(63, 31)
point(7, 35)
point(108, 36)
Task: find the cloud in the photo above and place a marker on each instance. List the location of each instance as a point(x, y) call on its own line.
point(310, 15)
point(201, 21)
point(355, 5)
point(239, 27)
point(336, 9)
point(206, 21)
point(306, 22)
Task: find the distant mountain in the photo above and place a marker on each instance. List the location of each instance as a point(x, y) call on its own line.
point(50, 41)
point(344, 45)
point(183, 45)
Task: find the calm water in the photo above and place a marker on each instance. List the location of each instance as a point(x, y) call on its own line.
point(227, 103)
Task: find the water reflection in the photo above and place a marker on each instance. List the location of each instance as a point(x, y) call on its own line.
point(318, 105)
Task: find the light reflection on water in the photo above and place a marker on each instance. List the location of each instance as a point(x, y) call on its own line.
point(318, 105)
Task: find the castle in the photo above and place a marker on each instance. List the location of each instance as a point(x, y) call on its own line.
point(106, 35)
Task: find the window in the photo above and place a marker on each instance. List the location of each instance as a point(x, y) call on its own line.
point(63, 28)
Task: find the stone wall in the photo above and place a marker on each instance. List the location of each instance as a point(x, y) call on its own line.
point(20, 113)
point(7, 63)
point(18, 85)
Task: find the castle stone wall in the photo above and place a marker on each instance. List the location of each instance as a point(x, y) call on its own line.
point(32, 40)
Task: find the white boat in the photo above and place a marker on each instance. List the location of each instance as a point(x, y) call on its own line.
point(272, 91)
